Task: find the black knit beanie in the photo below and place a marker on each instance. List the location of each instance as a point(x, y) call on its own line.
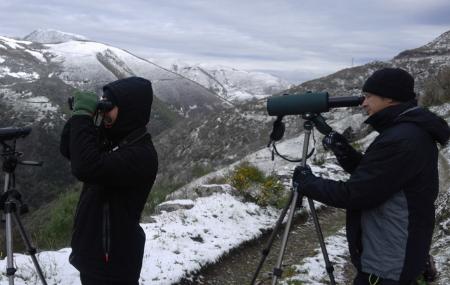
point(394, 83)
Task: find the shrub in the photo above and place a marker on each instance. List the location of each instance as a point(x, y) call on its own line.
point(437, 89)
point(267, 190)
point(244, 175)
point(272, 192)
point(57, 223)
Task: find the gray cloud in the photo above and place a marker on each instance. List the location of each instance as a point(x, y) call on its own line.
point(285, 36)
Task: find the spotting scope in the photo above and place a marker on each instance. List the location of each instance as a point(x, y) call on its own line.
point(11, 133)
point(309, 102)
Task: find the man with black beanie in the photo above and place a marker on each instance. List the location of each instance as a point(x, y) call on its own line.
point(390, 194)
point(117, 164)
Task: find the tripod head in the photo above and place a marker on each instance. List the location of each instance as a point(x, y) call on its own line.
point(9, 154)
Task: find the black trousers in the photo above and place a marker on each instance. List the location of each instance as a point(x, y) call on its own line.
point(363, 279)
point(85, 280)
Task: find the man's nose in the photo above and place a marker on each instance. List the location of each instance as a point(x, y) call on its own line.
point(364, 103)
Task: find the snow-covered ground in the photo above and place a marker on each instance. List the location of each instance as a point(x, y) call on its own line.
point(177, 243)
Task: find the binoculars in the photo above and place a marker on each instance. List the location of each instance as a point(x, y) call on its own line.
point(102, 105)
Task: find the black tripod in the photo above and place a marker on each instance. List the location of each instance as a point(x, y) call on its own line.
point(11, 200)
point(295, 198)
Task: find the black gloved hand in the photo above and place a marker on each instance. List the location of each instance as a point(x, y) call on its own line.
point(335, 142)
point(302, 176)
point(346, 155)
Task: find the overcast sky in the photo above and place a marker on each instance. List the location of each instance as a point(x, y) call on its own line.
point(298, 39)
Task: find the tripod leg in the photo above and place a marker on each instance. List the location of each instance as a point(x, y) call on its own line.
point(328, 265)
point(31, 250)
point(10, 270)
point(266, 250)
point(277, 271)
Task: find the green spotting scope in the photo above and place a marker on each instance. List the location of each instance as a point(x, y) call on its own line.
point(310, 102)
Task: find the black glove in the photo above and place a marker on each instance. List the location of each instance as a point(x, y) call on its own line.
point(335, 142)
point(302, 176)
point(347, 156)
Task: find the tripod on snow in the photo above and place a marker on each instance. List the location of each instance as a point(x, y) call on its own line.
point(295, 200)
point(11, 200)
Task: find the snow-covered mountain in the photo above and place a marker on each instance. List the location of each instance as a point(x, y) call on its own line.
point(230, 83)
point(49, 36)
point(36, 80)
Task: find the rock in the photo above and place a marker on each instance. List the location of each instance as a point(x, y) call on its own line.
point(174, 205)
point(183, 193)
point(209, 189)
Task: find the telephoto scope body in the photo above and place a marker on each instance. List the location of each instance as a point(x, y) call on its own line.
point(310, 102)
point(11, 133)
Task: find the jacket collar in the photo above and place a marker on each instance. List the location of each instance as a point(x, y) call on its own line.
point(385, 118)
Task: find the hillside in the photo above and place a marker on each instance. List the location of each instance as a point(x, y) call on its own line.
point(229, 83)
point(36, 80)
point(225, 137)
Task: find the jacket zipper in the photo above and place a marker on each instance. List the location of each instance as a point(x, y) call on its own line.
point(106, 231)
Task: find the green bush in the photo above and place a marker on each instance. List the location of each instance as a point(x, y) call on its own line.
point(56, 224)
point(244, 175)
point(270, 191)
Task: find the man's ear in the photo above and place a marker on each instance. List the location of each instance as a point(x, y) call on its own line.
point(391, 101)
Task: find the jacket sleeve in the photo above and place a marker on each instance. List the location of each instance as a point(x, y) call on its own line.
point(384, 170)
point(349, 159)
point(128, 165)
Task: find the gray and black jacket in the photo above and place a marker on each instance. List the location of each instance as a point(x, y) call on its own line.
point(390, 194)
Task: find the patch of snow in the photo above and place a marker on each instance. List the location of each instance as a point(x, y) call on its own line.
point(313, 270)
point(14, 44)
point(2, 60)
point(39, 107)
point(177, 243)
point(6, 71)
point(37, 55)
point(179, 201)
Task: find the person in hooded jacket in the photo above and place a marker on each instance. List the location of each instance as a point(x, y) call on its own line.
point(117, 164)
point(390, 194)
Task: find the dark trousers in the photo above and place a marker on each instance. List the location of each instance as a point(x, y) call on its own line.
point(85, 280)
point(363, 279)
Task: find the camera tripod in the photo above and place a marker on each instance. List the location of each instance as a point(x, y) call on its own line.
point(11, 201)
point(295, 201)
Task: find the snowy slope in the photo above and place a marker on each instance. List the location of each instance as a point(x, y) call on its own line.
point(89, 65)
point(86, 64)
point(49, 36)
point(230, 83)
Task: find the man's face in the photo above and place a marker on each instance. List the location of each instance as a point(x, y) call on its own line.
point(373, 103)
point(110, 117)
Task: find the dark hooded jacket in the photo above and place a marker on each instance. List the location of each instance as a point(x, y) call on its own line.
point(390, 194)
point(118, 167)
